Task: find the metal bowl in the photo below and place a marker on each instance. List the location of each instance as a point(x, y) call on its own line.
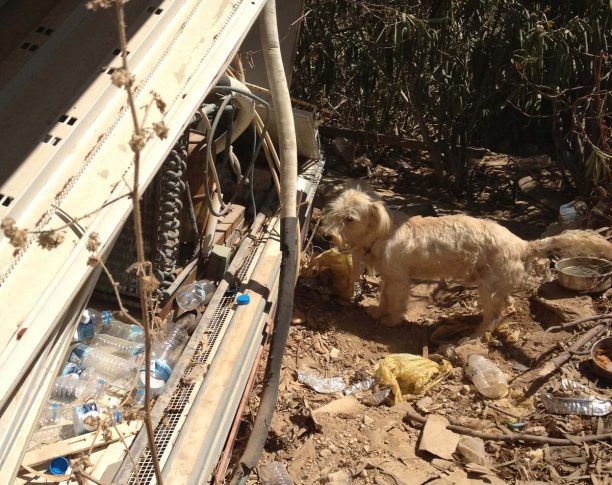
point(592, 275)
point(601, 354)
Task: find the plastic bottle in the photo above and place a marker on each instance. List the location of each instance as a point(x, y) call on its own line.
point(275, 473)
point(85, 329)
point(51, 414)
point(116, 369)
point(194, 295)
point(77, 388)
point(487, 377)
point(86, 418)
point(117, 346)
point(104, 323)
point(165, 352)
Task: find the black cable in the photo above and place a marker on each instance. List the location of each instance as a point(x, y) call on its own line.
point(208, 152)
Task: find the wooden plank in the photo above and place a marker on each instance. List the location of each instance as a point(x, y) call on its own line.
point(79, 444)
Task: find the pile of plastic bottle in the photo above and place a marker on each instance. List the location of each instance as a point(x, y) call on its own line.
point(108, 355)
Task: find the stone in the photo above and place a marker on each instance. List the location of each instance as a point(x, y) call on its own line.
point(337, 478)
point(566, 304)
point(438, 440)
point(345, 406)
point(367, 420)
point(424, 404)
point(472, 450)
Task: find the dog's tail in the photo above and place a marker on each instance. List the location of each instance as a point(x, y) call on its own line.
point(572, 243)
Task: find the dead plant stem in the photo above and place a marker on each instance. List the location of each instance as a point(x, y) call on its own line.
point(144, 295)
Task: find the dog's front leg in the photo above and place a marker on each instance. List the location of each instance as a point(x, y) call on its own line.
point(358, 266)
point(394, 301)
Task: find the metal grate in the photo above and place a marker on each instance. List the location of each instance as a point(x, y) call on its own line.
point(175, 410)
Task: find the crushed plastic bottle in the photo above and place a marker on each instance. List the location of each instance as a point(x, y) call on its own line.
point(195, 295)
point(490, 381)
point(165, 352)
point(77, 388)
point(275, 473)
point(114, 368)
point(86, 328)
point(117, 346)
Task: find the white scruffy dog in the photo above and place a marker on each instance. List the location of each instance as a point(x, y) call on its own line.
point(477, 252)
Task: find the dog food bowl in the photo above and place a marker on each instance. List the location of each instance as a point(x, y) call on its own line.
point(601, 353)
point(585, 274)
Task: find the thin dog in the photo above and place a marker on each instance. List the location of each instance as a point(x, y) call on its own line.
point(477, 252)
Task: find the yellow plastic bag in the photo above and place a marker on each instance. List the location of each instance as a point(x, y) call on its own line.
point(341, 267)
point(410, 374)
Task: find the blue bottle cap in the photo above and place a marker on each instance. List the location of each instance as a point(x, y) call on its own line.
point(59, 465)
point(243, 299)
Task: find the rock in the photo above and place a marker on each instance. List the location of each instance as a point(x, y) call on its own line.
point(334, 353)
point(473, 450)
point(367, 420)
point(325, 452)
point(463, 352)
point(566, 304)
point(438, 440)
point(424, 404)
point(337, 478)
point(301, 456)
point(472, 423)
point(345, 406)
point(442, 464)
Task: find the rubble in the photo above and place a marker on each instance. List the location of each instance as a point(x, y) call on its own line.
point(472, 450)
point(438, 440)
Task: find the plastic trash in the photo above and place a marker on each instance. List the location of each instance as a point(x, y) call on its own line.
point(341, 267)
point(195, 295)
point(243, 299)
point(165, 353)
point(86, 418)
point(117, 346)
point(321, 384)
point(59, 466)
point(86, 328)
point(51, 414)
point(410, 374)
point(117, 370)
point(490, 381)
point(274, 473)
point(575, 398)
point(360, 386)
point(105, 323)
point(78, 388)
point(377, 398)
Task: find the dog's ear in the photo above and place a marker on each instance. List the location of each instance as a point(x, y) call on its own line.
point(379, 214)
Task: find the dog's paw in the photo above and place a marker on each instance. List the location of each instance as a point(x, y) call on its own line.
point(375, 312)
point(391, 320)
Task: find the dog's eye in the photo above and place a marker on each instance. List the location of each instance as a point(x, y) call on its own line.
point(349, 219)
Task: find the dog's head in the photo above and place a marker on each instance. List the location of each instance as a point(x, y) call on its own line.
point(355, 219)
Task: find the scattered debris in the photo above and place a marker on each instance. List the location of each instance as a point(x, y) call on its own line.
point(340, 265)
point(437, 439)
point(564, 303)
point(472, 450)
point(345, 406)
point(321, 384)
point(574, 398)
point(274, 473)
point(337, 478)
point(410, 374)
point(361, 386)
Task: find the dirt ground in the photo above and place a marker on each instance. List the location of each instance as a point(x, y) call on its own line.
point(360, 443)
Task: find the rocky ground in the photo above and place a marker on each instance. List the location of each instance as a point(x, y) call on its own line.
point(338, 439)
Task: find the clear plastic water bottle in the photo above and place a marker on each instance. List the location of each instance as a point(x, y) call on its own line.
point(275, 473)
point(117, 370)
point(195, 295)
point(78, 388)
point(165, 352)
point(86, 328)
point(105, 323)
point(117, 346)
point(490, 381)
point(51, 414)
